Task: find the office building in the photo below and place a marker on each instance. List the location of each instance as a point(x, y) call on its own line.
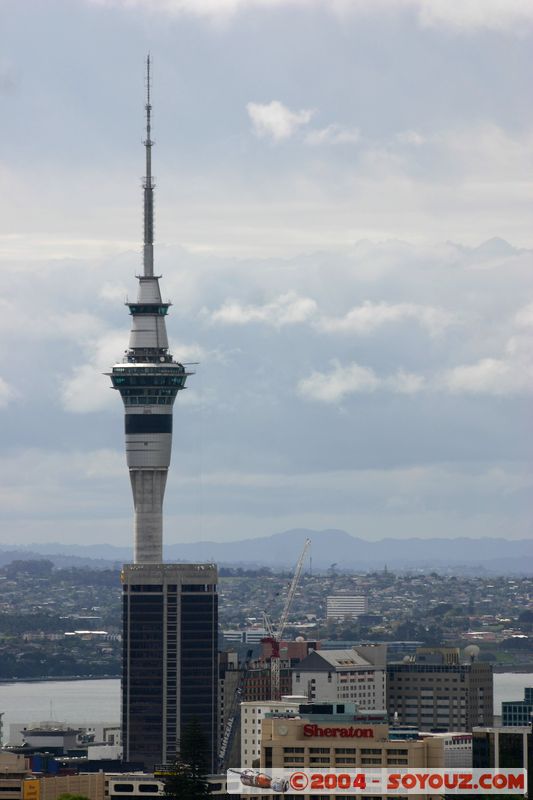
point(456, 748)
point(258, 685)
point(169, 674)
point(14, 768)
point(169, 658)
point(434, 691)
point(345, 606)
point(355, 676)
point(252, 716)
point(336, 735)
point(50, 787)
point(504, 748)
point(518, 712)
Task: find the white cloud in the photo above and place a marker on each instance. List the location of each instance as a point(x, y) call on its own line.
point(276, 120)
point(410, 137)
point(287, 309)
point(498, 15)
point(113, 292)
point(7, 393)
point(490, 376)
point(342, 381)
point(504, 15)
point(87, 389)
point(333, 134)
point(524, 317)
point(332, 386)
point(406, 382)
point(368, 317)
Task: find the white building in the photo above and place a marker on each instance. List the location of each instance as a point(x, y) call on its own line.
point(456, 747)
point(247, 636)
point(252, 715)
point(345, 606)
point(335, 676)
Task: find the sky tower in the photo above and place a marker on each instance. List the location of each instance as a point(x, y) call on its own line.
point(169, 611)
point(148, 380)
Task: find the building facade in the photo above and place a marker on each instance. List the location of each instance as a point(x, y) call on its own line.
point(170, 674)
point(14, 768)
point(345, 606)
point(252, 716)
point(518, 712)
point(505, 748)
point(438, 693)
point(355, 676)
point(337, 736)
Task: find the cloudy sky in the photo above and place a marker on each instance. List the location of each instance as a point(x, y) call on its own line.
point(344, 227)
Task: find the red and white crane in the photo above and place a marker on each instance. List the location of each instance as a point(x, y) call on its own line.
point(275, 634)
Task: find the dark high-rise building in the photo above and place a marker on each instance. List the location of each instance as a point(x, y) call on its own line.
point(169, 675)
point(504, 748)
point(169, 658)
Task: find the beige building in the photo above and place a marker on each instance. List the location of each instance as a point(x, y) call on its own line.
point(252, 716)
point(14, 769)
point(355, 676)
point(50, 787)
point(434, 691)
point(341, 741)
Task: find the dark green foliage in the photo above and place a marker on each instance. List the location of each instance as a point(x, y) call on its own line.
point(186, 779)
point(69, 796)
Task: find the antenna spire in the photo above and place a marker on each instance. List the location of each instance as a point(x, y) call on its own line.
point(148, 184)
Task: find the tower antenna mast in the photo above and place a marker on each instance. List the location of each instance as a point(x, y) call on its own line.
point(148, 183)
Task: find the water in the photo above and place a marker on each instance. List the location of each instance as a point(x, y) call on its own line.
point(510, 686)
point(99, 701)
point(61, 701)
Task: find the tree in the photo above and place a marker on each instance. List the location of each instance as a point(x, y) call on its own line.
point(186, 779)
point(69, 796)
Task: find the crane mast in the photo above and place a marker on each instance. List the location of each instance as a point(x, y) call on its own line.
point(275, 635)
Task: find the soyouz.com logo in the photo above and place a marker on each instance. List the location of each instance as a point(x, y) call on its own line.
point(377, 781)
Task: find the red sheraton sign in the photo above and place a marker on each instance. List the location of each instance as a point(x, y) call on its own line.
point(343, 733)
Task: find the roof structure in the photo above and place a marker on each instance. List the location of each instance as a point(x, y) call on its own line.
point(326, 660)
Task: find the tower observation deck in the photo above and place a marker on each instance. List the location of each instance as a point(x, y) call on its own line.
point(148, 380)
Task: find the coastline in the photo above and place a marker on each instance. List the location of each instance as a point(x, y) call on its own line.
point(59, 678)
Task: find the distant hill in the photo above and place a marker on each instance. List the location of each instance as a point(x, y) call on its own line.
point(487, 555)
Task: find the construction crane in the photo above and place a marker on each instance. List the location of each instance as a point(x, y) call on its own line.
point(275, 634)
point(233, 716)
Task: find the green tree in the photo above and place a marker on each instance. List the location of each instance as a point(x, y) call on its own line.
point(186, 779)
point(69, 796)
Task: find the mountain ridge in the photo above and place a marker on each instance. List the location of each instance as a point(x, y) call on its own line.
point(330, 548)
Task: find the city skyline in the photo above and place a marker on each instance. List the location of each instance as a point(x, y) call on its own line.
point(336, 259)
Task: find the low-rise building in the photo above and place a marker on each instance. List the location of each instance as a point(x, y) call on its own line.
point(353, 676)
point(454, 748)
point(335, 735)
point(50, 787)
point(252, 716)
point(14, 768)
